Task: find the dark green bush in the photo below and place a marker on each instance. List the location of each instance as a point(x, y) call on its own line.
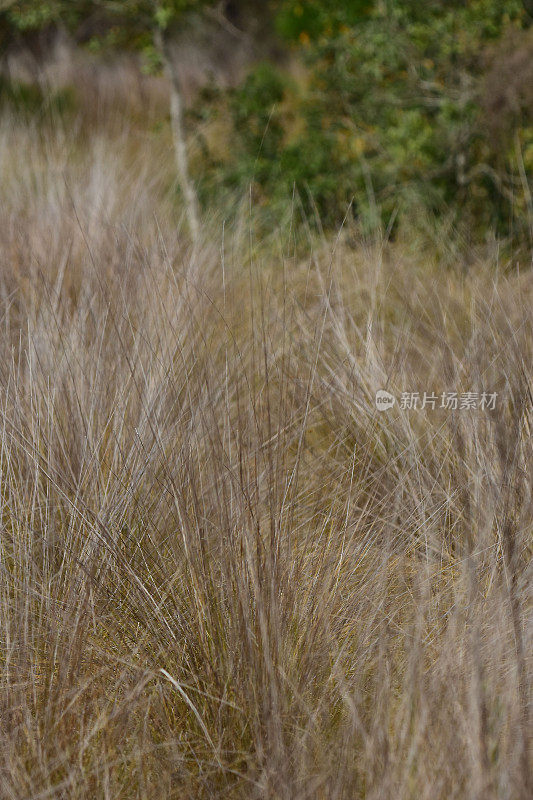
point(392, 117)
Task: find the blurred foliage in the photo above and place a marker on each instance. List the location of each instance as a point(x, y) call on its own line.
point(303, 21)
point(30, 99)
point(128, 24)
point(393, 115)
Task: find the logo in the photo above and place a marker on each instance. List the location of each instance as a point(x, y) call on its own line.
point(384, 400)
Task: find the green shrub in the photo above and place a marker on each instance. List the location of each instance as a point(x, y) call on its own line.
point(391, 119)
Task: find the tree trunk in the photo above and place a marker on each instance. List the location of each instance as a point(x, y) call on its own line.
point(179, 138)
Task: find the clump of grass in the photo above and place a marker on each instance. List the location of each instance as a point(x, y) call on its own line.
point(223, 571)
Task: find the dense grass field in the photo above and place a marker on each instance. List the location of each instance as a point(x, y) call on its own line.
point(224, 573)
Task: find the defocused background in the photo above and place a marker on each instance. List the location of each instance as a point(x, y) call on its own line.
point(411, 118)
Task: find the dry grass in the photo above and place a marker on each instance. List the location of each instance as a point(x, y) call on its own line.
point(223, 572)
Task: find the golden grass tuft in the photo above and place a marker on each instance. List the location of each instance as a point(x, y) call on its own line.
point(223, 572)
